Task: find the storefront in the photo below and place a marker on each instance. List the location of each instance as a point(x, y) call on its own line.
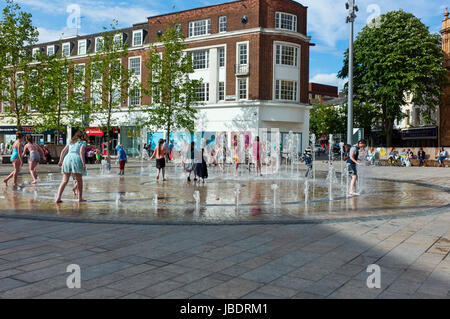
point(8, 133)
point(130, 137)
point(97, 137)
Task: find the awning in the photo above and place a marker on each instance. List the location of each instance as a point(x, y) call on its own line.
point(94, 131)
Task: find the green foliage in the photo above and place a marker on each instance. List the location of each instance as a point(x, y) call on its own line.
point(326, 119)
point(17, 34)
point(169, 85)
point(52, 93)
point(398, 56)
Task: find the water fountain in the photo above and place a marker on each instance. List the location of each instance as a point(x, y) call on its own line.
point(197, 200)
point(117, 200)
point(49, 177)
point(274, 188)
point(341, 149)
point(313, 142)
point(155, 200)
point(306, 190)
point(237, 191)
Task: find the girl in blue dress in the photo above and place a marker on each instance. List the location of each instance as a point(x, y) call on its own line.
point(16, 159)
point(73, 163)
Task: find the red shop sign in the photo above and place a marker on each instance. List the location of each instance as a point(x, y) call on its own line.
point(94, 131)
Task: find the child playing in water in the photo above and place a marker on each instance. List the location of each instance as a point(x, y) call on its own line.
point(122, 159)
point(16, 159)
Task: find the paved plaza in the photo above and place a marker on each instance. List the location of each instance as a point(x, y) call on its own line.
point(304, 258)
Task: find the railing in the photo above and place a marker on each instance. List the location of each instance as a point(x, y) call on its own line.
point(242, 69)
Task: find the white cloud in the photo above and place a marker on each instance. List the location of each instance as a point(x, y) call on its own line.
point(47, 35)
point(96, 11)
point(326, 18)
point(329, 79)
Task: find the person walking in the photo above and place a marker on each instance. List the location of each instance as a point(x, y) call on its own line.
point(190, 161)
point(122, 159)
point(16, 159)
point(36, 153)
point(73, 163)
point(160, 155)
point(352, 163)
point(201, 169)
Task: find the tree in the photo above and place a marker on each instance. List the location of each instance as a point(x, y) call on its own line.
point(52, 101)
point(110, 80)
point(366, 116)
point(17, 35)
point(398, 55)
point(326, 119)
point(173, 93)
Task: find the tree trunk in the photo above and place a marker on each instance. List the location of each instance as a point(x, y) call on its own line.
point(388, 129)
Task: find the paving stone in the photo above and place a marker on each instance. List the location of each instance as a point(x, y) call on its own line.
point(235, 270)
point(135, 260)
point(99, 293)
point(267, 272)
point(292, 282)
point(277, 291)
point(191, 276)
point(202, 285)
point(103, 269)
point(176, 294)
point(232, 289)
point(160, 289)
point(9, 283)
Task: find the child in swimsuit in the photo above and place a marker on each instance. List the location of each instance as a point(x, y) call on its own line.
point(36, 154)
point(16, 159)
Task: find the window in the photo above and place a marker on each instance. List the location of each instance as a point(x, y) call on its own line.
point(242, 89)
point(118, 39)
point(178, 27)
point(202, 93)
point(135, 66)
point(286, 21)
point(137, 38)
point(200, 59)
point(50, 50)
point(78, 79)
point(199, 28)
point(221, 57)
point(66, 49)
point(286, 90)
point(35, 52)
point(96, 72)
point(81, 47)
point(221, 91)
point(223, 24)
point(99, 43)
point(286, 55)
point(135, 97)
point(242, 54)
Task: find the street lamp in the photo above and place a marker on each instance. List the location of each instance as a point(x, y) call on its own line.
point(352, 8)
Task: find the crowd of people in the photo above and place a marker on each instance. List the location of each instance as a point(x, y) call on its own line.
point(194, 160)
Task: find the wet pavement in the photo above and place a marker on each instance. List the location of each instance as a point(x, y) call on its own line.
point(225, 199)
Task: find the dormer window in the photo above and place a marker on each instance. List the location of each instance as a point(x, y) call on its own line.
point(199, 28)
point(35, 52)
point(82, 46)
point(118, 39)
point(66, 49)
point(137, 38)
point(222, 24)
point(286, 21)
point(50, 50)
point(99, 44)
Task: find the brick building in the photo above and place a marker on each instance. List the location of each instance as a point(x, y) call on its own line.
point(319, 93)
point(252, 55)
point(444, 129)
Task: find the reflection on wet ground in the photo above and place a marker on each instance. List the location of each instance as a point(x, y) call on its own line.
point(138, 198)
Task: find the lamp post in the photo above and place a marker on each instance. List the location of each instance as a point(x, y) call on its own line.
point(352, 8)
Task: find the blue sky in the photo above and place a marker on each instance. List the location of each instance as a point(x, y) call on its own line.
point(326, 21)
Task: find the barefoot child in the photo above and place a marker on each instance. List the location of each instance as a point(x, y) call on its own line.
point(36, 154)
point(160, 155)
point(122, 159)
point(16, 159)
